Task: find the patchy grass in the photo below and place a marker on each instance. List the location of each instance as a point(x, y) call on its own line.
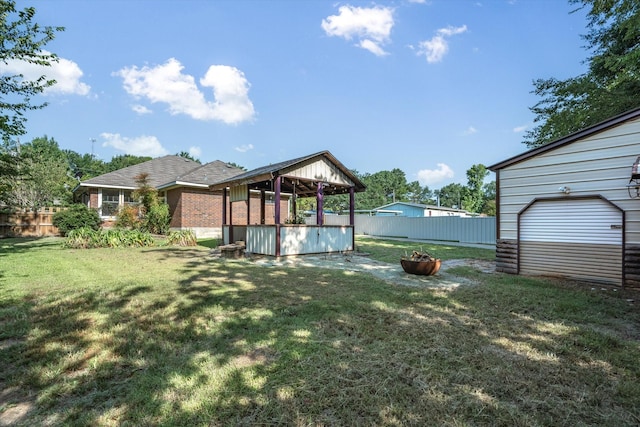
point(211, 243)
point(170, 336)
point(392, 250)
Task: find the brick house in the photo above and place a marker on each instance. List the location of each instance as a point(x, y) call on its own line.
point(183, 184)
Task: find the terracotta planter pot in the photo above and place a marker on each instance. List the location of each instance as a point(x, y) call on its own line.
point(423, 268)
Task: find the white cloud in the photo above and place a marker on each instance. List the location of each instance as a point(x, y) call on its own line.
point(141, 109)
point(244, 148)
point(140, 146)
point(195, 152)
point(167, 84)
point(65, 72)
point(231, 91)
point(470, 131)
point(520, 129)
point(372, 47)
point(430, 177)
point(437, 47)
point(370, 26)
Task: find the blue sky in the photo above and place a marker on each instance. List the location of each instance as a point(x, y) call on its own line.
point(429, 87)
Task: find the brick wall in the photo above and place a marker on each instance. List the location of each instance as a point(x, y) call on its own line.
point(93, 198)
point(240, 211)
point(202, 208)
point(175, 207)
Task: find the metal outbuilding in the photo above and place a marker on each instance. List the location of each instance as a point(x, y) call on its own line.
point(571, 208)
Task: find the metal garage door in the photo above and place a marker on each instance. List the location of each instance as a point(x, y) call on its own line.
point(575, 238)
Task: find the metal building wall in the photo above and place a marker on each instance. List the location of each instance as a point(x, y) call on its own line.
point(454, 229)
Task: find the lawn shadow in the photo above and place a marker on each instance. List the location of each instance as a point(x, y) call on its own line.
point(235, 343)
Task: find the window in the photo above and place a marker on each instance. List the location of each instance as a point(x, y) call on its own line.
point(128, 199)
point(110, 201)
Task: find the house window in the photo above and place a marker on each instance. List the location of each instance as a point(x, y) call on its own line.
point(110, 202)
point(127, 198)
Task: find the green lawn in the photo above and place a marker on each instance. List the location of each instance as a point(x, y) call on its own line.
point(172, 336)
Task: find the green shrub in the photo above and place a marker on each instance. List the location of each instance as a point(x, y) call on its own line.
point(86, 238)
point(157, 219)
point(77, 216)
point(182, 238)
point(128, 217)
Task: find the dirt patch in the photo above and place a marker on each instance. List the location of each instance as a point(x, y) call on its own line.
point(13, 407)
point(391, 273)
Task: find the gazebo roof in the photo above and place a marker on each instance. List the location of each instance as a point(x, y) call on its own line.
point(301, 176)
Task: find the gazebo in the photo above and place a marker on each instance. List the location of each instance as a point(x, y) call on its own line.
point(316, 175)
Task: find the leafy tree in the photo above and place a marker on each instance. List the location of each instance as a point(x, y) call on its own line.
point(382, 188)
point(337, 203)
point(418, 194)
point(21, 39)
point(452, 195)
point(489, 205)
point(235, 165)
point(125, 160)
point(474, 195)
point(609, 87)
point(9, 165)
point(186, 155)
point(41, 177)
point(84, 166)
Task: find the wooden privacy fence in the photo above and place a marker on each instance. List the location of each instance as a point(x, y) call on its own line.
point(28, 223)
point(446, 228)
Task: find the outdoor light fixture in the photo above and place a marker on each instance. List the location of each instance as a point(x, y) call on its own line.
point(634, 183)
point(565, 189)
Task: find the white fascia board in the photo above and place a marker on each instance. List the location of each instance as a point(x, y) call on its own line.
point(175, 184)
point(105, 186)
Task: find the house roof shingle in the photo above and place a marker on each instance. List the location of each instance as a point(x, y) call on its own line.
point(206, 175)
point(165, 171)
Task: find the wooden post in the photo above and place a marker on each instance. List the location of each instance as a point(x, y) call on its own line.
point(224, 213)
point(230, 222)
point(320, 204)
point(249, 209)
point(262, 206)
point(224, 206)
point(277, 215)
point(352, 216)
point(352, 205)
point(295, 208)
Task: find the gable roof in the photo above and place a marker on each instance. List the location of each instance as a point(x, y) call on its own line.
point(204, 176)
point(602, 126)
point(261, 175)
point(164, 172)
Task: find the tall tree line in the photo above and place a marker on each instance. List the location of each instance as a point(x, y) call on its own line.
point(610, 86)
point(385, 187)
point(39, 173)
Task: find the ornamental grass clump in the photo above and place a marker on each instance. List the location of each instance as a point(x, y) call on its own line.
point(86, 238)
point(182, 238)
